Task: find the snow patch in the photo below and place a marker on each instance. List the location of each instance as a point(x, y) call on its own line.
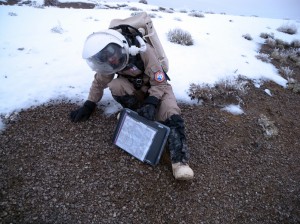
point(267, 91)
point(234, 109)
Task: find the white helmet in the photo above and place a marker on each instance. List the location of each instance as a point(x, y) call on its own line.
point(107, 52)
point(100, 46)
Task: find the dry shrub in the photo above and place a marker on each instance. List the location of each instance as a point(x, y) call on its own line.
point(271, 42)
point(143, 2)
point(295, 43)
point(51, 2)
point(282, 44)
point(276, 54)
point(166, 10)
point(263, 57)
point(283, 55)
point(283, 51)
point(268, 126)
point(247, 36)
point(267, 35)
point(288, 28)
point(12, 14)
point(58, 29)
point(225, 91)
point(134, 9)
point(178, 19)
point(196, 14)
point(180, 36)
point(286, 72)
point(183, 10)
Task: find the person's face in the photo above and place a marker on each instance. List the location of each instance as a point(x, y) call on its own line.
point(114, 59)
point(111, 55)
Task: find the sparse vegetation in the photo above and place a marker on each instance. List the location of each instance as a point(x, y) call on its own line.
point(122, 5)
point(196, 14)
point(247, 36)
point(180, 36)
point(293, 85)
point(263, 57)
point(278, 43)
point(295, 43)
point(288, 28)
point(267, 35)
point(270, 42)
point(229, 91)
point(12, 14)
point(283, 55)
point(286, 72)
point(134, 9)
point(183, 10)
point(268, 126)
point(281, 44)
point(166, 10)
point(51, 2)
point(177, 19)
point(151, 15)
point(286, 57)
point(57, 29)
point(143, 2)
point(276, 54)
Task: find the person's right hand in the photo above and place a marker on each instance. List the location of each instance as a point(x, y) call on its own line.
point(84, 112)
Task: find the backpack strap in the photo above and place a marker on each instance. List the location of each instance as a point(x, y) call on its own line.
point(129, 35)
point(137, 61)
point(131, 38)
point(125, 30)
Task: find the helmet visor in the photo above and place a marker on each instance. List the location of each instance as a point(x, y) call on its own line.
point(109, 60)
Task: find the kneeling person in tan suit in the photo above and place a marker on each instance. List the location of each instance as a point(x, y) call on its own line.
point(141, 85)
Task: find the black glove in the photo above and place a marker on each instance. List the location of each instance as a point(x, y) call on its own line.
point(84, 112)
point(148, 111)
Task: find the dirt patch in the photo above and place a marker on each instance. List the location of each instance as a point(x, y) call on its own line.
point(55, 171)
point(76, 5)
point(9, 2)
point(54, 3)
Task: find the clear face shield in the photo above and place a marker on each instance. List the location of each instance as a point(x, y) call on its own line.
point(109, 60)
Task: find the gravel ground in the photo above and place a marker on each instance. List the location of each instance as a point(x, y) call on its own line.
point(55, 171)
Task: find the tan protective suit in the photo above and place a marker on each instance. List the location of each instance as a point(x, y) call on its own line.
point(155, 84)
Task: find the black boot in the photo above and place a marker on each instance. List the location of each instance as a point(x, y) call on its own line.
point(177, 141)
point(178, 148)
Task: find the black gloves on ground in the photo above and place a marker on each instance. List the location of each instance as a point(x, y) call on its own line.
point(148, 111)
point(84, 112)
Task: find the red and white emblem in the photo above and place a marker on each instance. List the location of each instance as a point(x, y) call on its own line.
point(159, 76)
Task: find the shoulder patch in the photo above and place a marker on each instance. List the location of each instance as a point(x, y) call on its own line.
point(159, 76)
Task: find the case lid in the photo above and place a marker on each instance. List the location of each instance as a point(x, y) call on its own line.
point(140, 137)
